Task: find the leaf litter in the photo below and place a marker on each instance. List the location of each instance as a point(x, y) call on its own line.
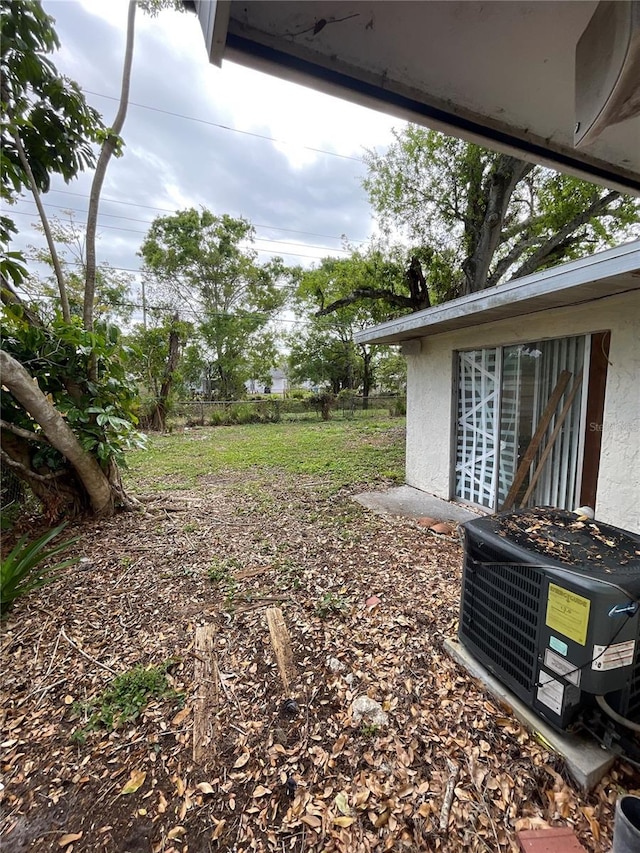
point(443, 768)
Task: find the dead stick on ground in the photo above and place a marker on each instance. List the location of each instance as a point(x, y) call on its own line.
point(281, 642)
point(85, 655)
point(206, 704)
point(448, 794)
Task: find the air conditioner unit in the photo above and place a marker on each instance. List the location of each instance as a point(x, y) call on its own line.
point(550, 605)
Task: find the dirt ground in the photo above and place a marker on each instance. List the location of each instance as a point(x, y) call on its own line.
point(367, 602)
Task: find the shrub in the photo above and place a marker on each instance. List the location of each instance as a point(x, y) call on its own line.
point(323, 402)
point(21, 570)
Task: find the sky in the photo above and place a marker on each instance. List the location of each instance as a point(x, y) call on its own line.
point(302, 202)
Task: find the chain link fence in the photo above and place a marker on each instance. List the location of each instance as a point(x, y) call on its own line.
point(273, 410)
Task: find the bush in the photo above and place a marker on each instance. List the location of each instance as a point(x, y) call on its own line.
point(323, 403)
point(21, 572)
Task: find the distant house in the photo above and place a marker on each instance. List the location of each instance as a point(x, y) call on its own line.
point(279, 384)
point(529, 393)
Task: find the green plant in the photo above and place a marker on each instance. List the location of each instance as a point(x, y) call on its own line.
point(124, 699)
point(22, 571)
point(369, 730)
point(331, 602)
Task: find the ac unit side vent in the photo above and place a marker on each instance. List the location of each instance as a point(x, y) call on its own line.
point(499, 615)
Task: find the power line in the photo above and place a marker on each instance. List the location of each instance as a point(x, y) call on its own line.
point(41, 295)
point(172, 210)
point(226, 127)
point(148, 222)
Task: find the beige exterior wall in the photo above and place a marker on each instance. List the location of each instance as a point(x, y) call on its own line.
point(430, 411)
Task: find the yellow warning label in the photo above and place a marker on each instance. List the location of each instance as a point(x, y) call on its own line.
point(568, 613)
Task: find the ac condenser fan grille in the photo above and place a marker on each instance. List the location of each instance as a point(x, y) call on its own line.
point(500, 616)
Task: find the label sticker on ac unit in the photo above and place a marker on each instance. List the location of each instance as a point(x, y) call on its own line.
point(558, 645)
point(568, 613)
point(613, 657)
point(550, 692)
point(562, 666)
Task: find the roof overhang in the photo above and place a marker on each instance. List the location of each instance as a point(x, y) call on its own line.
point(595, 277)
point(556, 83)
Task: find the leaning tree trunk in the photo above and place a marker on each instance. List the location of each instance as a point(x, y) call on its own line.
point(106, 152)
point(83, 485)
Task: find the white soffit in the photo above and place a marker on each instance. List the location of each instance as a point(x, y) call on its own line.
point(595, 277)
point(498, 73)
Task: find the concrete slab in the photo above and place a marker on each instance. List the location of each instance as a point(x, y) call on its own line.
point(586, 760)
point(414, 503)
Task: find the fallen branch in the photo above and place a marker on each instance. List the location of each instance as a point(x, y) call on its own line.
point(206, 703)
point(281, 642)
point(85, 655)
point(448, 794)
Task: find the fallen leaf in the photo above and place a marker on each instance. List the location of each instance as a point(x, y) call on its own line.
point(176, 832)
point(135, 781)
point(342, 804)
point(261, 791)
point(217, 832)
point(344, 821)
point(205, 787)
point(311, 820)
point(69, 838)
point(180, 716)
point(244, 758)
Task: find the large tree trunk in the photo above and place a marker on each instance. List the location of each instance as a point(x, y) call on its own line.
point(483, 233)
point(84, 484)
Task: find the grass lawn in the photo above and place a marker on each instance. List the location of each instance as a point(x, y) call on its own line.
point(339, 453)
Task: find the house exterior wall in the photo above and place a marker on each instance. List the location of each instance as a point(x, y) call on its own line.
point(430, 398)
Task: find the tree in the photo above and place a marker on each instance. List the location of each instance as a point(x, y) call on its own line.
point(205, 264)
point(112, 302)
point(69, 412)
point(479, 217)
point(327, 352)
point(156, 362)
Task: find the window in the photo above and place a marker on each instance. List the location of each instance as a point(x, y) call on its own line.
point(519, 424)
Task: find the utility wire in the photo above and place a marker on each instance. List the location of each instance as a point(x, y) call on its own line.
point(172, 210)
point(148, 222)
point(226, 127)
point(169, 309)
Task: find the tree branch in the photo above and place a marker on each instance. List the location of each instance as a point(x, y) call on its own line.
point(27, 472)
point(8, 296)
point(27, 393)
point(23, 433)
point(560, 239)
point(55, 260)
point(395, 299)
point(106, 152)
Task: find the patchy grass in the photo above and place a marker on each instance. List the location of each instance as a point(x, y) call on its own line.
point(341, 453)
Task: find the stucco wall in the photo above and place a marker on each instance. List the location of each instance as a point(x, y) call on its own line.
point(430, 415)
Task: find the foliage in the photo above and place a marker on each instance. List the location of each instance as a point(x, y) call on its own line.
point(112, 301)
point(149, 362)
point(331, 603)
point(22, 571)
point(80, 417)
point(480, 217)
point(40, 107)
point(201, 263)
point(85, 375)
point(125, 698)
point(324, 402)
point(344, 296)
